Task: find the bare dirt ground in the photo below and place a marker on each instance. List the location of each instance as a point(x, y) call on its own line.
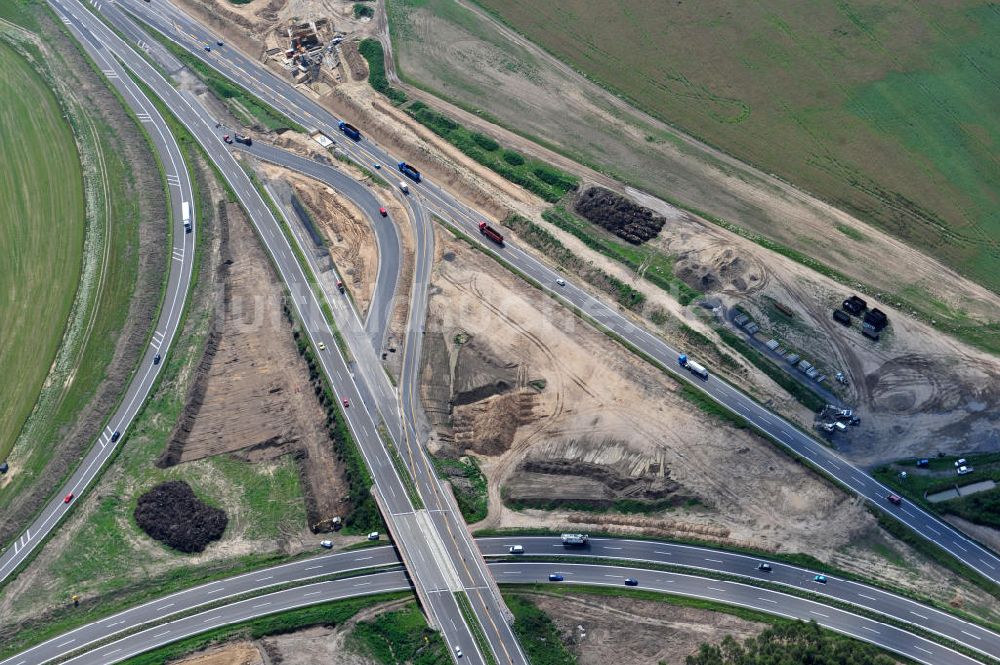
point(607, 629)
point(918, 390)
point(350, 241)
point(319, 644)
point(512, 377)
point(252, 395)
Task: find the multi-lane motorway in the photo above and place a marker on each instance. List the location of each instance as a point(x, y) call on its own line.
point(178, 282)
point(253, 75)
point(433, 540)
point(442, 562)
point(365, 566)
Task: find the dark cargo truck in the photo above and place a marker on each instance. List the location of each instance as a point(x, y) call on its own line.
point(350, 130)
point(491, 233)
point(409, 171)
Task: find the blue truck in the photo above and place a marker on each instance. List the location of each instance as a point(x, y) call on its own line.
point(409, 171)
point(350, 130)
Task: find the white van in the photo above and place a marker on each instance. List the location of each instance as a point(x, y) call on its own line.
point(403, 186)
point(516, 549)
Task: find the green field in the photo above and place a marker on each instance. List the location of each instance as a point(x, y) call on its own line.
point(888, 109)
point(41, 232)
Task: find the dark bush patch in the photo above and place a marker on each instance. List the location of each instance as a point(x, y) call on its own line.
point(513, 158)
point(172, 514)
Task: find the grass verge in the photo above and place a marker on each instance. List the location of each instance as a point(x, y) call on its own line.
point(325, 614)
point(536, 176)
point(372, 51)
point(470, 492)
point(537, 633)
point(652, 265)
point(400, 637)
point(465, 606)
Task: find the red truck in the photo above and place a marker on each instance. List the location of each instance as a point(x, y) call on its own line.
point(490, 233)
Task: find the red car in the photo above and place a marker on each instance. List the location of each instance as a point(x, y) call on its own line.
point(69, 497)
point(227, 138)
point(346, 402)
point(383, 212)
point(894, 500)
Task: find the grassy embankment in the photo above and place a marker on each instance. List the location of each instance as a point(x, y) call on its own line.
point(326, 614)
point(110, 253)
point(401, 636)
point(42, 229)
point(470, 492)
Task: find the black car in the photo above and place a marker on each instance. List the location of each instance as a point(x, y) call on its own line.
point(631, 581)
point(766, 567)
point(156, 359)
point(117, 435)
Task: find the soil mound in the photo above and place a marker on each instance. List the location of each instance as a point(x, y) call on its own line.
point(617, 214)
point(173, 515)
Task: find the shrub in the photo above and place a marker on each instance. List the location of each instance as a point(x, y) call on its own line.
point(513, 158)
point(485, 142)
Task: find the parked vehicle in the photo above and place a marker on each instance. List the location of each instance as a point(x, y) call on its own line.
point(244, 139)
point(963, 470)
point(227, 138)
point(960, 462)
point(373, 535)
point(327, 544)
point(923, 463)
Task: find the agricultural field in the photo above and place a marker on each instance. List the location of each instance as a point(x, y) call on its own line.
point(886, 109)
point(768, 87)
point(41, 230)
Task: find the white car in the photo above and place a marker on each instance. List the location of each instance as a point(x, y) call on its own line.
point(962, 470)
point(373, 535)
point(322, 346)
point(326, 544)
point(560, 281)
point(403, 186)
point(960, 462)
point(516, 549)
point(458, 652)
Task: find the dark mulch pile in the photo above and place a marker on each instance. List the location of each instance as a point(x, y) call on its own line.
point(172, 514)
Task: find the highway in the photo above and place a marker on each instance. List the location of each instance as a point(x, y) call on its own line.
point(302, 108)
point(365, 565)
point(440, 571)
point(178, 282)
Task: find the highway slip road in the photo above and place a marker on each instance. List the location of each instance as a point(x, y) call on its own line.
point(259, 80)
point(178, 282)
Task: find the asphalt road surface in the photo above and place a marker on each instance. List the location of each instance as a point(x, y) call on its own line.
point(634, 551)
point(178, 281)
point(439, 570)
point(251, 74)
point(367, 582)
point(389, 249)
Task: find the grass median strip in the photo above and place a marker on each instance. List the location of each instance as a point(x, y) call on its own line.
point(401, 468)
point(465, 606)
